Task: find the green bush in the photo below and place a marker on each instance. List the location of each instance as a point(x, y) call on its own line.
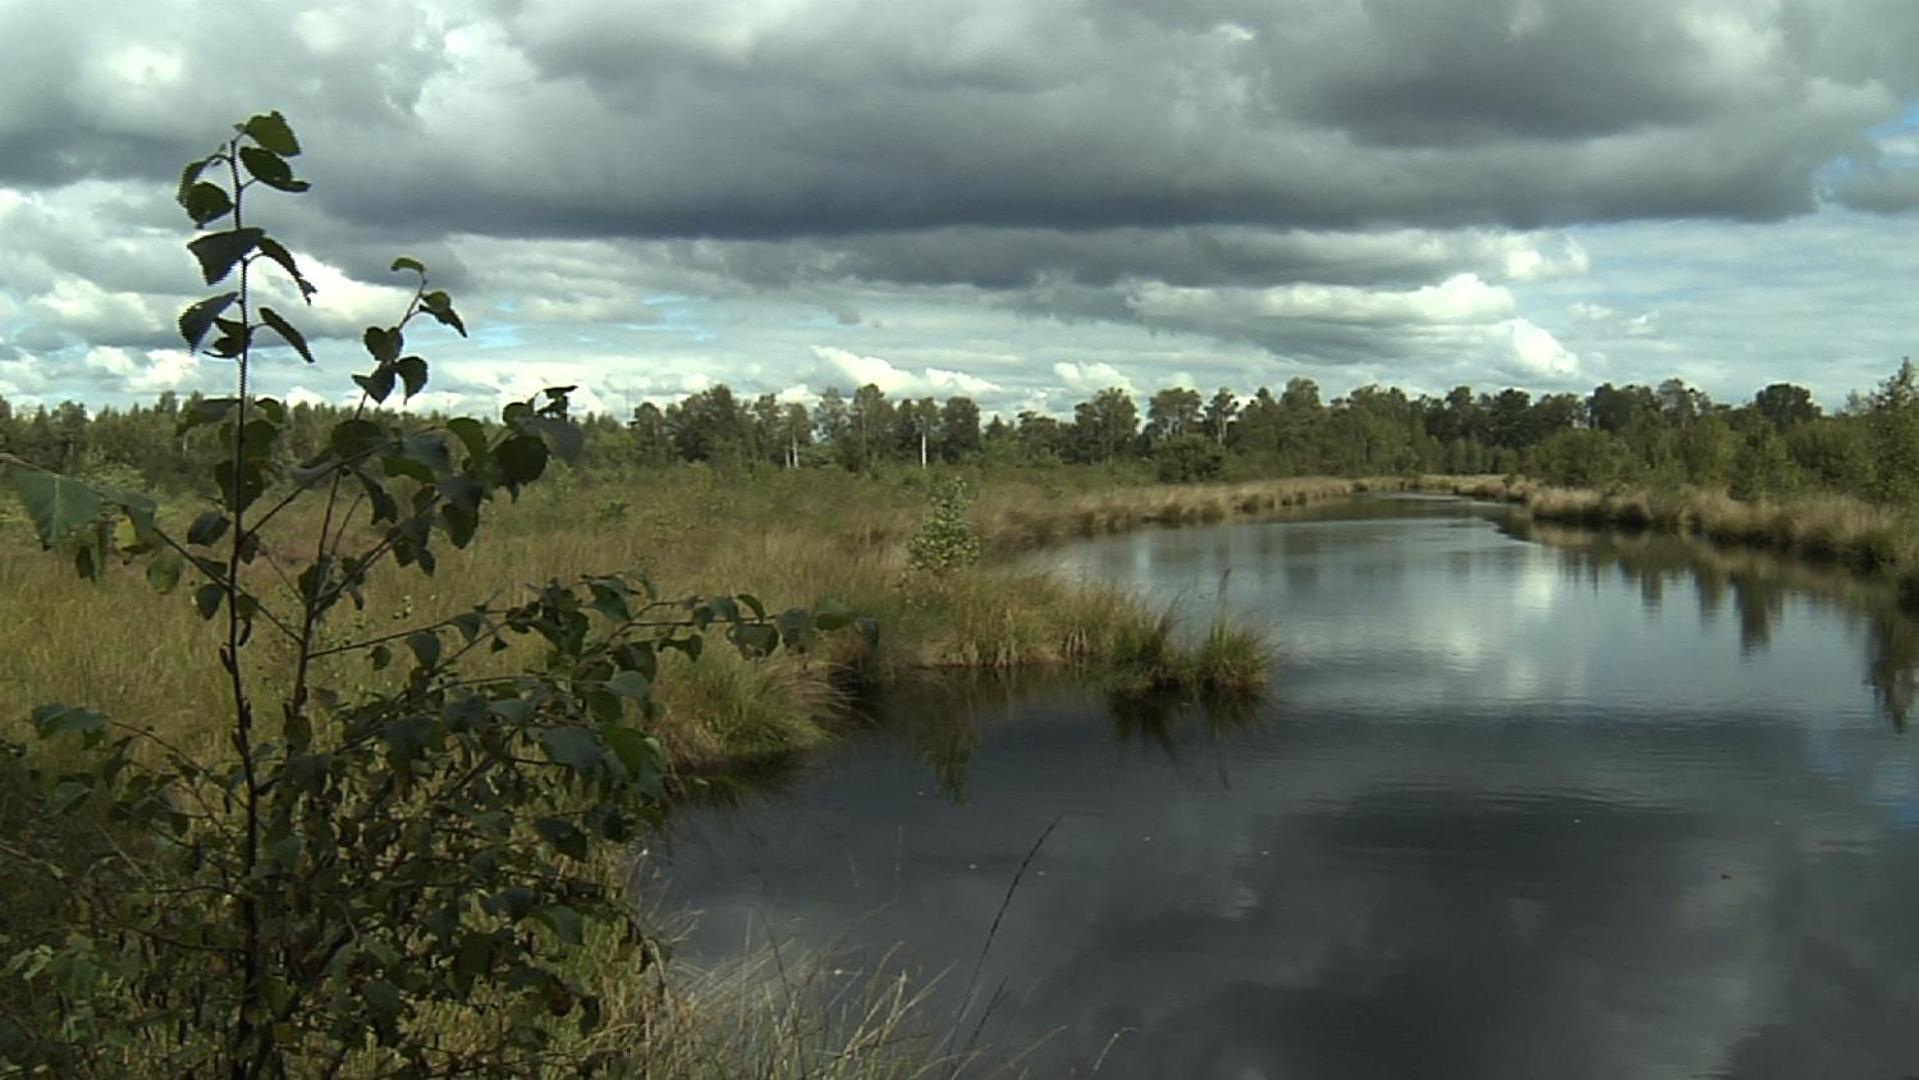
point(945, 540)
point(1188, 459)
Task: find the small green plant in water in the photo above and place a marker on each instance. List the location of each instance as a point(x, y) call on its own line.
point(391, 878)
point(945, 540)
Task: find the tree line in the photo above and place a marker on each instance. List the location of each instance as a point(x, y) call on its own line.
point(1778, 443)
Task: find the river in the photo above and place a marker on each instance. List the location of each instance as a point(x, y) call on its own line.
point(1519, 803)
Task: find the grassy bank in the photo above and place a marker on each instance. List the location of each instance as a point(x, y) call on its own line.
point(790, 538)
point(1834, 529)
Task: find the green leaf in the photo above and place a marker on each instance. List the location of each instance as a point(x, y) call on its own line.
point(271, 169)
point(57, 504)
point(440, 306)
point(379, 384)
point(163, 573)
point(86, 564)
point(460, 523)
point(218, 252)
point(239, 488)
point(412, 371)
point(271, 131)
point(198, 318)
point(190, 175)
point(203, 411)
point(352, 438)
point(429, 449)
point(286, 330)
point(426, 648)
point(796, 628)
point(756, 639)
point(463, 492)
point(630, 684)
point(50, 721)
point(638, 656)
point(206, 202)
point(833, 615)
point(565, 923)
point(395, 465)
point(567, 437)
point(206, 599)
point(575, 748)
point(383, 343)
point(522, 458)
point(70, 792)
point(564, 837)
point(385, 508)
point(639, 755)
point(233, 340)
point(472, 434)
point(208, 527)
point(384, 998)
point(474, 957)
point(274, 250)
point(405, 263)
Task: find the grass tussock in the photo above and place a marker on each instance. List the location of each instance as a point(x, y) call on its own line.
point(1822, 528)
point(779, 1013)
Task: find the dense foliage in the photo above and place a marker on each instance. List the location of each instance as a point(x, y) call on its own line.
point(1777, 444)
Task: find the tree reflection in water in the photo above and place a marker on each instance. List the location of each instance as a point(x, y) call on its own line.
point(1758, 585)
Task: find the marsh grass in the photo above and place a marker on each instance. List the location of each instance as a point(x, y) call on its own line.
point(1825, 528)
point(793, 539)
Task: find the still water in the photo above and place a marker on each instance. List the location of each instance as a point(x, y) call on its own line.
point(1519, 804)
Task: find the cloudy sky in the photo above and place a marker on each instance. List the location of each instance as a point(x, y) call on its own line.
point(1020, 200)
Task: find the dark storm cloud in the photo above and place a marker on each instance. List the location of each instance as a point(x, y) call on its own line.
point(1080, 161)
point(995, 258)
point(1881, 189)
point(760, 120)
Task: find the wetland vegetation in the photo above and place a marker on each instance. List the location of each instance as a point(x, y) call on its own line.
point(253, 828)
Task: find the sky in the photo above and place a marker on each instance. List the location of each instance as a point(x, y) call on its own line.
point(1023, 201)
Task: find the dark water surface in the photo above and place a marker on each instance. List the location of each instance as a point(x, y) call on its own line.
point(1518, 805)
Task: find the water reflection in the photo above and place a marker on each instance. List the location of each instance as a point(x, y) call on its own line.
point(944, 717)
point(1759, 587)
point(1534, 804)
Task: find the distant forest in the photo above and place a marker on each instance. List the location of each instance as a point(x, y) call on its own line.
point(1778, 444)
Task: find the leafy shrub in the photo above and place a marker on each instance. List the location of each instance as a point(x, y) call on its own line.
point(945, 540)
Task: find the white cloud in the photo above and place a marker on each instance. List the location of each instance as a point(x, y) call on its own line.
point(844, 368)
point(840, 367)
point(300, 395)
point(1525, 261)
point(1092, 378)
point(1536, 353)
point(959, 382)
point(1462, 298)
point(167, 369)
